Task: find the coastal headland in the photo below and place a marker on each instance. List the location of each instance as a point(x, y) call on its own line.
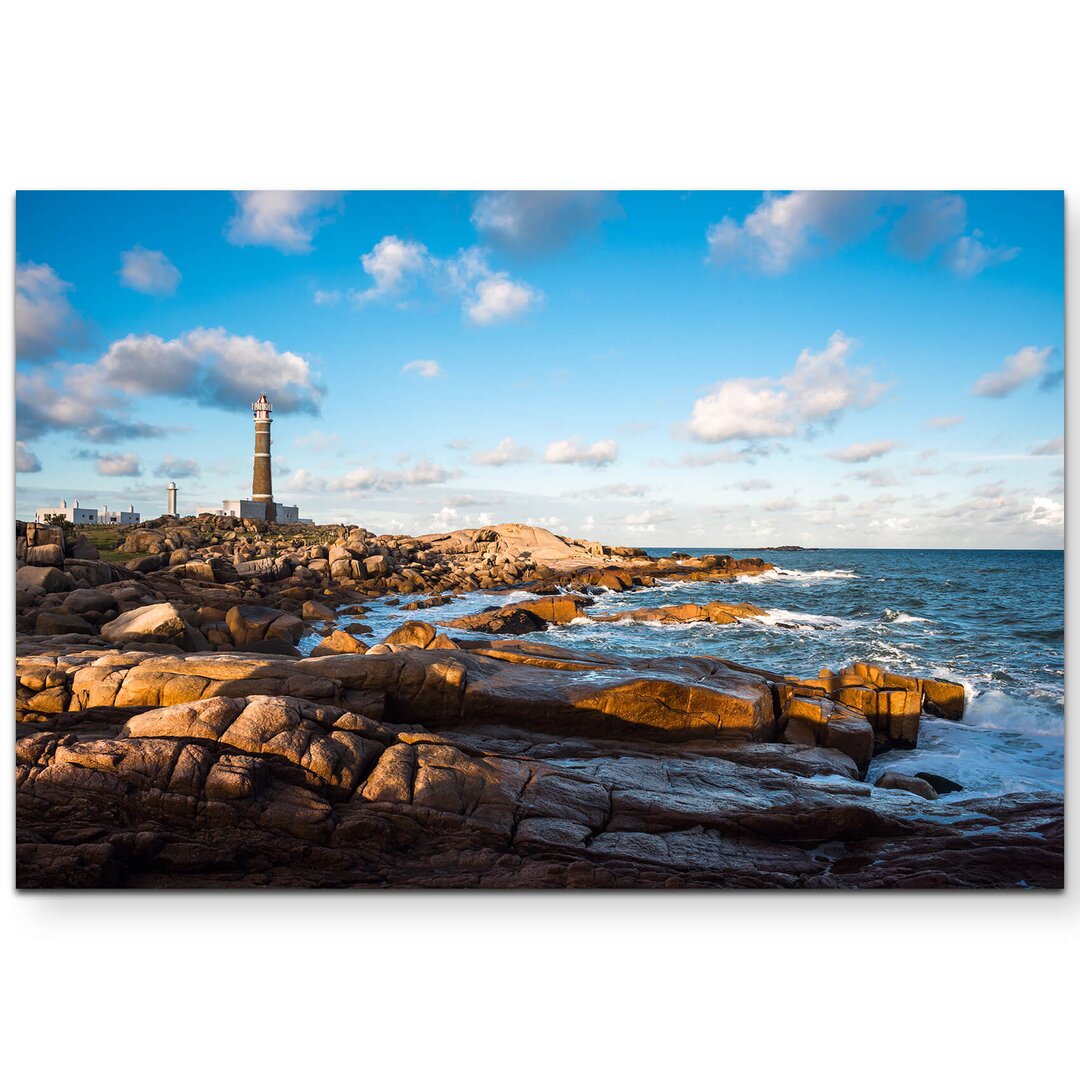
point(171, 731)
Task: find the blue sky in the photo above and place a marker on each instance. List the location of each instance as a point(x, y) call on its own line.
point(702, 369)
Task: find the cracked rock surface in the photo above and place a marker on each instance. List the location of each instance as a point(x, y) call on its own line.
point(493, 764)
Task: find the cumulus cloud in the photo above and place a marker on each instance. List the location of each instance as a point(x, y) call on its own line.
point(1045, 512)
point(1023, 366)
point(115, 464)
point(149, 272)
point(173, 468)
point(647, 520)
point(508, 452)
point(1052, 446)
point(529, 221)
point(285, 220)
point(45, 321)
point(487, 296)
point(783, 230)
point(425, 369)
point(573, 451)
point(393, 264)
point(211, 367)
point(944, 421)
point(818, 390)
point(25, 458)
point(860, 452)
point(970, 256)
point(498, 298)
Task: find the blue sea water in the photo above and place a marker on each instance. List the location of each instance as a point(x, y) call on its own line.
point(992, 620)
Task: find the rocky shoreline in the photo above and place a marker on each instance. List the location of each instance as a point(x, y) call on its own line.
point(169, 732)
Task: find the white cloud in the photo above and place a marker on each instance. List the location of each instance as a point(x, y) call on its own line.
point(944, 421)
point(498, 299)
point(527, 221)
point(327, 297)
point(860, 452)
point(425, 369)
point(285, 220)
point(149, 272)
point(41, 407)
point(508, 452)
point(393, 263)
point(25, 458)
point(970, 256)
point(118, 465)
point(783, 230)
point(45, 321)
point(1052, 446)
point(753, 484)
point(1026, 364)
point(647, 520)
point(573, 452)
point(173, 468)
point(1045, 512)
point(487, 296)
point(211, 366)
point(818, 390)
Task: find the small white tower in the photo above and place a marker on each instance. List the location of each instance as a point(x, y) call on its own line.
point(172, 499)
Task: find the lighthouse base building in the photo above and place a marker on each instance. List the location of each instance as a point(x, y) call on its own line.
point(249, 508)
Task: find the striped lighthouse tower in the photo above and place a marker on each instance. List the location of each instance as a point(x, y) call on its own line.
point(261, 486)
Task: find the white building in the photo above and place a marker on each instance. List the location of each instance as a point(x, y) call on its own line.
point(119, 517)
point(80, 515)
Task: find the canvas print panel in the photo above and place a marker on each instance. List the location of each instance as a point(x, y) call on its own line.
point(539, 539)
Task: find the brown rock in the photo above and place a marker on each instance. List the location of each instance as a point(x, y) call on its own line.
point(902, 782)
point(155, 623)
point(338, 642)
point(48, 578)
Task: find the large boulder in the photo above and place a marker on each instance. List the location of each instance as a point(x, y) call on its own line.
point(249, 622)
point(57, 622)
point(45, 555)
point(156, 624)
point(145, 564)
point(48, 578)
point(338, 642)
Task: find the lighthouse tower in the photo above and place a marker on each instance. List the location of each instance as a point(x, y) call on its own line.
point(262, 490)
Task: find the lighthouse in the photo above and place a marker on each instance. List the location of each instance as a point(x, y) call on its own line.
point(262, 490)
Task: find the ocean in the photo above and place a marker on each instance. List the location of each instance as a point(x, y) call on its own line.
point(992, 620)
